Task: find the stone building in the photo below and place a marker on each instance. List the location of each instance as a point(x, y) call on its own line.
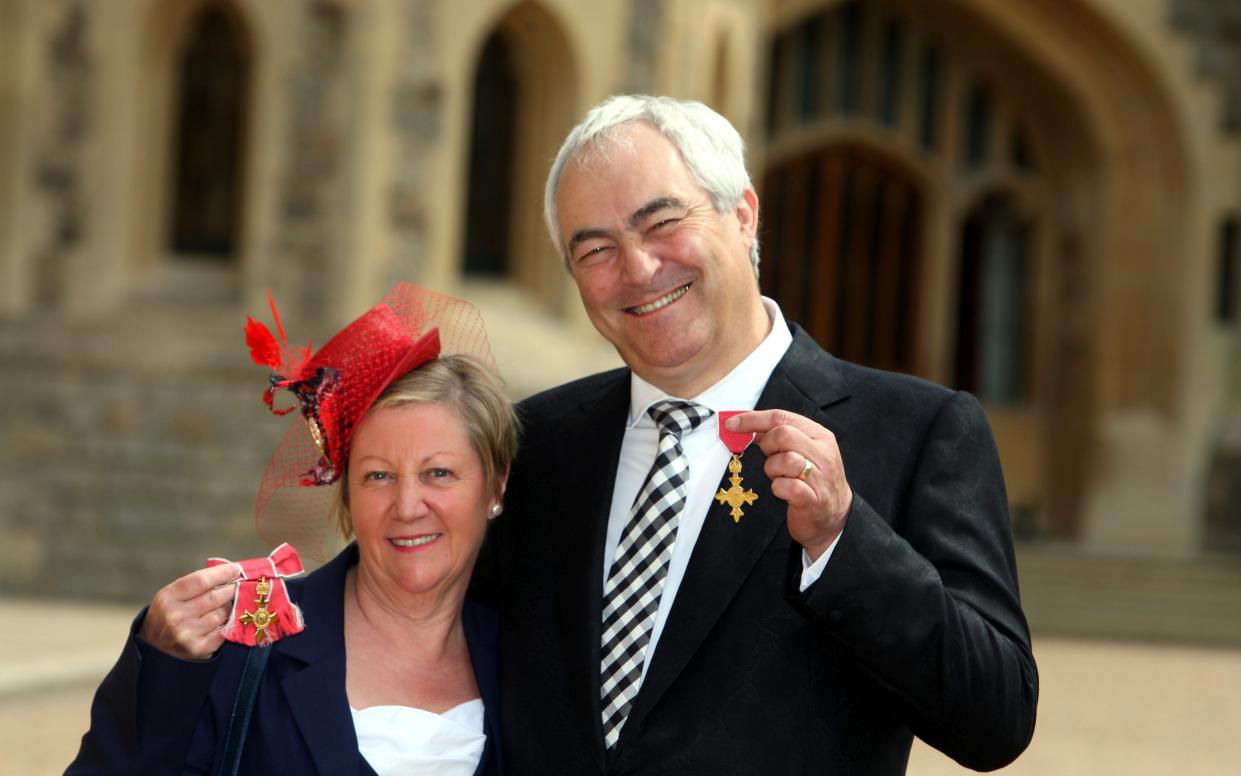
point(1038, 202)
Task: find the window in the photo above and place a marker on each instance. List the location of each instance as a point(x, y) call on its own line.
point(777, 82)
point(891, 63)
point(977, 127)
point(806, 58)
point(1227, 271)
point(849, 64)
point(928, 98)
point(993, 322)
point(213, 74)
point(489, 208)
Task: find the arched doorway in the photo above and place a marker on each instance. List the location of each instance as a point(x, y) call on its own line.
point(488, 248)
point(212, 82)
point(843, 252)
point(522, 106)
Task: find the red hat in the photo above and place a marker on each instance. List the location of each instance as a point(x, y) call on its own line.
point(336, 387)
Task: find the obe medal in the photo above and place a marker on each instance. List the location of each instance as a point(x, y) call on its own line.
point(261, 618)
point(736, 443)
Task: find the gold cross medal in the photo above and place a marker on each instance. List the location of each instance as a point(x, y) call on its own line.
point(261, 619)
point(736, 443)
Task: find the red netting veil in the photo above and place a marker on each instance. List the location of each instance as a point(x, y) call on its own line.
point(334, 388)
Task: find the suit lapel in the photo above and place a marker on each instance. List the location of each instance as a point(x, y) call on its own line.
point(586, 460)
point(805, 382)
point(315, 693)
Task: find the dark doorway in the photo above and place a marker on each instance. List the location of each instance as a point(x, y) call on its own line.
point(212, 77)
point(489, 208)
point(843, 252)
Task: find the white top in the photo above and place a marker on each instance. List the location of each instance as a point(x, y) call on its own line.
point(413, 742)
point(707, 456)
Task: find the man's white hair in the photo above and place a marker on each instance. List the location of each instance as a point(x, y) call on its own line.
point(710, 146)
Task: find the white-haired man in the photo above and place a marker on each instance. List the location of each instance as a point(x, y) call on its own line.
point(665, 610)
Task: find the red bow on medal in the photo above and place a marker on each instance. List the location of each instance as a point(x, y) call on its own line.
point(266, 613)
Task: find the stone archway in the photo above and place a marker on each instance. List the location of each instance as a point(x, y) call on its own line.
point(1019, 108)
point(1121, 292)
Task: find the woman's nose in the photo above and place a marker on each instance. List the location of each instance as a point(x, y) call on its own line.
point(410, 503)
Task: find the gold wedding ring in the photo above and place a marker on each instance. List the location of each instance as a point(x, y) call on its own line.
point(805, 472)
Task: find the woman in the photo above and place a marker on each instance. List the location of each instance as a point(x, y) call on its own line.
point(394, 672)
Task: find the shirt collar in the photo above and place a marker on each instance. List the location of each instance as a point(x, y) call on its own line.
point(737, 390)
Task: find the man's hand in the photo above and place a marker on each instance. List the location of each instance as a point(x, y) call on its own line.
point(819, 502)
point(185, 618)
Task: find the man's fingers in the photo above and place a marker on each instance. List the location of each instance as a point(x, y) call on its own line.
point(785, 438)
point(786, 465)
point(762, 421)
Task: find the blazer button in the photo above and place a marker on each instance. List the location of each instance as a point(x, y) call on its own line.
point(836, 615)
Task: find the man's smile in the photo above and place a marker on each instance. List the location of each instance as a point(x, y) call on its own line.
point(663, 301)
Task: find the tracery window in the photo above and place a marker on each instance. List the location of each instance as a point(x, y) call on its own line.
point(875, 116)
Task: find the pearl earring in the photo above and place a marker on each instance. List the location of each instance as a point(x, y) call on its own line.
point(496, 509)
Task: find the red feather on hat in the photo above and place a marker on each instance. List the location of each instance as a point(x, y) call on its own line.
point(264, 350)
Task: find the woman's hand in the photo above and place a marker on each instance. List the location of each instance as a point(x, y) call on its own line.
point(186, 617)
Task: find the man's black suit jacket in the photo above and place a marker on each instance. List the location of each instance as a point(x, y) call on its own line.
point(914, 628)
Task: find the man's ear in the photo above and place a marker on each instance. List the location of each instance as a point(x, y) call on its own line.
point(747, 213)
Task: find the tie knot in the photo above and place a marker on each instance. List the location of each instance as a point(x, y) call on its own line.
point(675, 417)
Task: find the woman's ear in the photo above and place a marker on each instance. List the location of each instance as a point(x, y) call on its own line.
point(498, 506)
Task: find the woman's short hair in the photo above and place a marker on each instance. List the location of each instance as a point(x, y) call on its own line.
point(476, 393)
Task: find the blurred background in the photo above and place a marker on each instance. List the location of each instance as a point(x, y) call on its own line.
point(1036, 201)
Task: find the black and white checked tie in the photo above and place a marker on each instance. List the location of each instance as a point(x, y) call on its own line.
point(636, 580)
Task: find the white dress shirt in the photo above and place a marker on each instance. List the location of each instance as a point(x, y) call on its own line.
point(707, 456)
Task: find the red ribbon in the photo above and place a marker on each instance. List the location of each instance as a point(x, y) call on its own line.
point(735, 441)
point(279, 616)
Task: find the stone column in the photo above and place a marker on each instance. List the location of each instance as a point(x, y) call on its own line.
point(417, 115)
point(14, 103)
point(642, 47)
point(60, 130)
point(311, 195)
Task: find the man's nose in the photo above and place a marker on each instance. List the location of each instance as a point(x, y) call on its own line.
point(638, 264)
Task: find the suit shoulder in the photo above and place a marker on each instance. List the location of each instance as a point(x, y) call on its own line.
point(553, 400)
point(902, 398)
point(868, 380)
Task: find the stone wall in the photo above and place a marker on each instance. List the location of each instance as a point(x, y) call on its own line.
point(130, 451)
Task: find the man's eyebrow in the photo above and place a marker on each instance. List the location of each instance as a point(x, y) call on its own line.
point(635, 220)
point(654, 206)
point(582, 235)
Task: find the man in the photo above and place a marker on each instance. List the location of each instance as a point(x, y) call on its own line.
point(856, 588)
